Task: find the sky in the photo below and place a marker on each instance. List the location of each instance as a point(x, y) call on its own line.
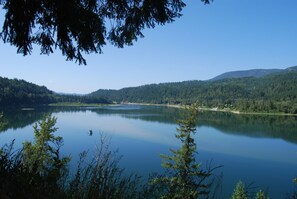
point(206, 41)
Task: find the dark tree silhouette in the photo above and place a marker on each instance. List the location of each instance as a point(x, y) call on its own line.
point(82, 26)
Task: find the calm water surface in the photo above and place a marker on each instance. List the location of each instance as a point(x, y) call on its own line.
point(259, 150)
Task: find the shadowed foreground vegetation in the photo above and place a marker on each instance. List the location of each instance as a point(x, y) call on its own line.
point(38, 170)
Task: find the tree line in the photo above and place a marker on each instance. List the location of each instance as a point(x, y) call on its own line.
point(17, 93)
point(272, 93)
point(276, 93)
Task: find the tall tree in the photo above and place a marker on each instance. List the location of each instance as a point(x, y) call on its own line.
point(43, 155)
point(82, 26)
point(37, 170)
point(240, 191)
point(185, 178)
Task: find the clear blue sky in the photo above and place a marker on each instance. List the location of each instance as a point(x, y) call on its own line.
point(206, 41)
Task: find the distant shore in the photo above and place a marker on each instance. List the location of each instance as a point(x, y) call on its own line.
point(215, 109)
point(77, 104)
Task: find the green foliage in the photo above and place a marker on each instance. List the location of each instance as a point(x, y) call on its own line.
point(185, 178)
point(43, 154)
point(36, 171)
point(271, 94)
point(261, 195)
point(84, 26)
point(12, 173)
point(15, 93)
point(246, 73)
point(240, 191)
point(102, 177)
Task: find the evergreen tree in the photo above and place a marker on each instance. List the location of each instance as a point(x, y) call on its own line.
point(185, 178)
point(240, 191)
point(43, 155)
point(261, 195)
point(37, 170)
point(78, 27)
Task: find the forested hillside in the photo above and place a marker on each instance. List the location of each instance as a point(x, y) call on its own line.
point(17, 93)
point(246, 73)
point(251, 73)
point(272, 93)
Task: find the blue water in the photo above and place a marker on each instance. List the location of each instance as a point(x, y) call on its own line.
point(252, 154)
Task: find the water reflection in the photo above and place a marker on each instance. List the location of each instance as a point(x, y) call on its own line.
point(281, 127)
point(251, 147)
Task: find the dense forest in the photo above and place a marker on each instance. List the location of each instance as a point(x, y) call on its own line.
point(272, 93)
point(17, 93)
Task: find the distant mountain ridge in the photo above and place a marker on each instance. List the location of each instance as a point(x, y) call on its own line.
point(20, 93)
point(258, 90)
point(15, 92)
point(274, 92)
point(251, 73)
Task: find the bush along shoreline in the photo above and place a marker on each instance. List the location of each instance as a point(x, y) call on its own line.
point(38, 170)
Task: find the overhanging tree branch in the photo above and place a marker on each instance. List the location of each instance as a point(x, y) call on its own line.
point(82, 26)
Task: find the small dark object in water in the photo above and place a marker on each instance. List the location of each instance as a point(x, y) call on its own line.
point(90, 132)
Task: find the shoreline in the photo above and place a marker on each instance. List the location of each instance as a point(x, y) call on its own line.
point(75, 104)
point(215, 109)
point(67, 104)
